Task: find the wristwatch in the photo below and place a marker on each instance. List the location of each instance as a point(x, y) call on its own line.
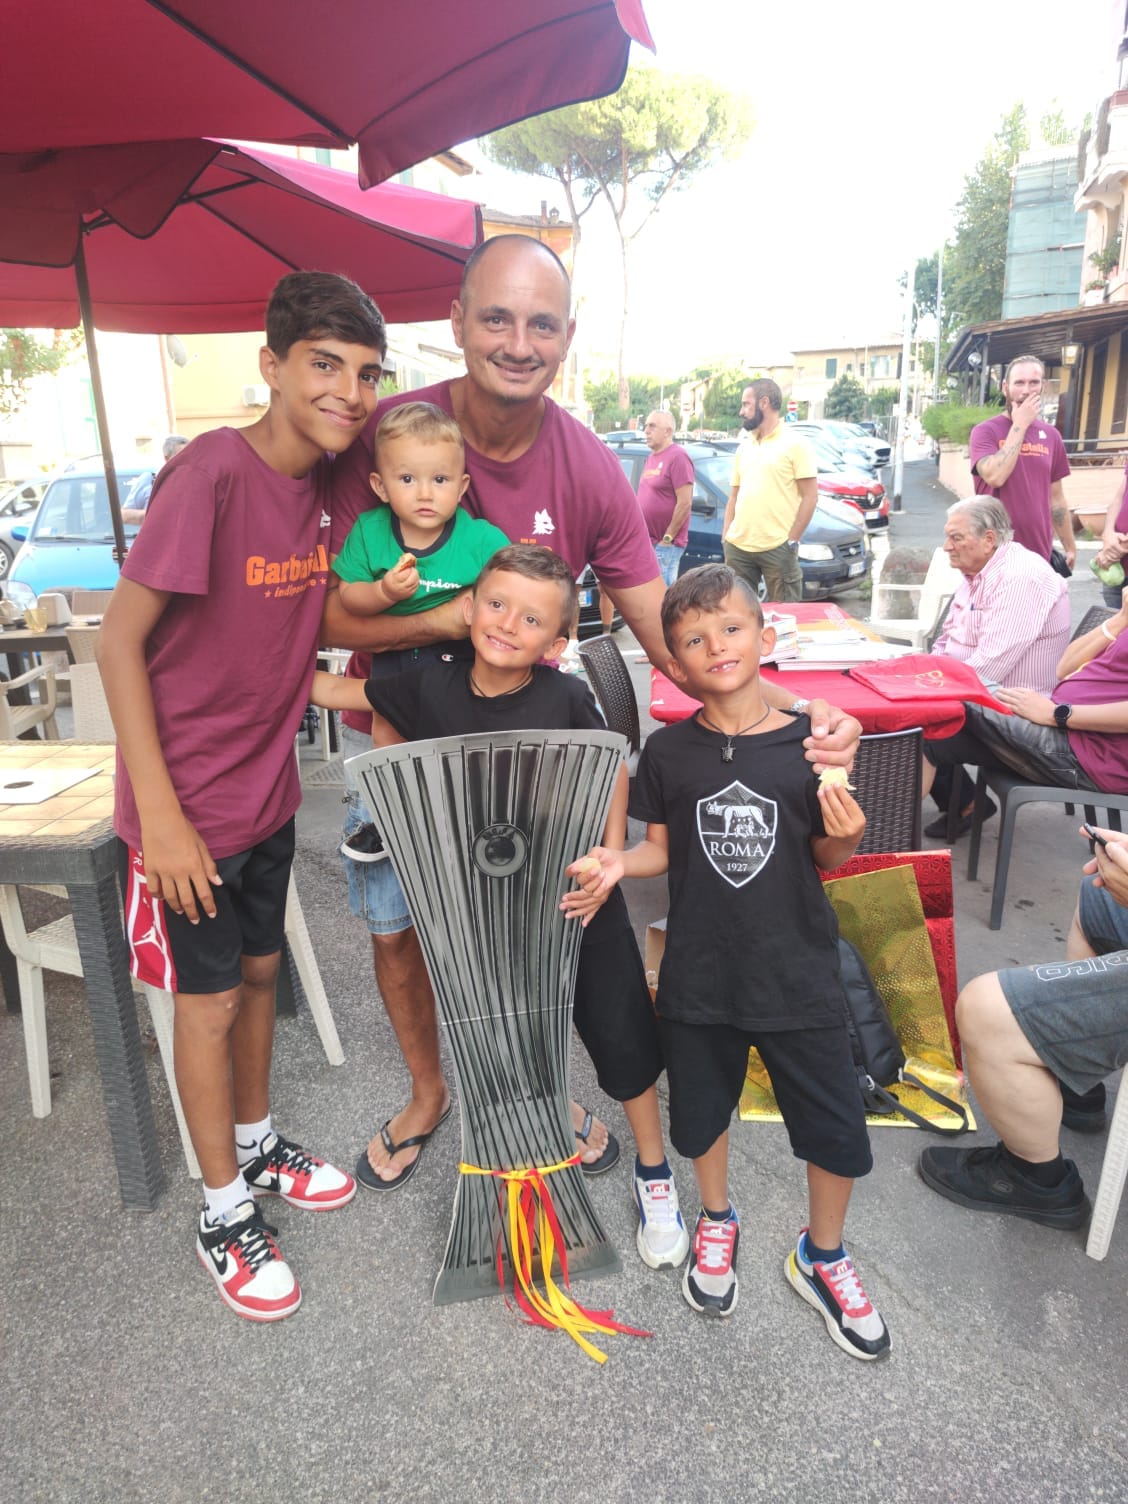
point(1062, 714)
point(799, 707)
point(793, 542)
point(667, 538)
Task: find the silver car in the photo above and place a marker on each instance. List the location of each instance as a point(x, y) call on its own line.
point(19, 502)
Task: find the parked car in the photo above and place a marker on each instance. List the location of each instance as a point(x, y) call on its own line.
point(833, 553)
point(18, 503)
point(591, 623)
point(837, 478)
point(69, 542)
point(852, 436)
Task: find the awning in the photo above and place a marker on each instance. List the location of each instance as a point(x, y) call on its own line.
point(1044, 335)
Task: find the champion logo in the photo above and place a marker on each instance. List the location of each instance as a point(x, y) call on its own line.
point(737, 829)
point(543, 523)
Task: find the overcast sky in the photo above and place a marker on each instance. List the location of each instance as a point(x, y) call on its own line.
point(868, 118)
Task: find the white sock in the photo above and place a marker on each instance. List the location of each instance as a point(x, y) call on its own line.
point(218, 1204)
point(248, 1140)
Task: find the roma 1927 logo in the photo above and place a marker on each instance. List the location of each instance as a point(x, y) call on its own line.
point(737, 830)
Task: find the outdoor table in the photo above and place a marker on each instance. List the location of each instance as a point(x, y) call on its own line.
point(937, 718)
point(69, 839)
point(18, 644)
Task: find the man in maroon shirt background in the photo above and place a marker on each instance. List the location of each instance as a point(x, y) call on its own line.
point(665, 494)
point(1020, 458)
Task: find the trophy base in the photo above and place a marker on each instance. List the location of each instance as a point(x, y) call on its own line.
point(477, 1281)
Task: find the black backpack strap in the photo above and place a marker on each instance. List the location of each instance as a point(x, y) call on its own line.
point(890, 1103)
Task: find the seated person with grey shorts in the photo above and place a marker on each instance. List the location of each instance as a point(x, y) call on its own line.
point(1076, 737)
point(1038, 1042)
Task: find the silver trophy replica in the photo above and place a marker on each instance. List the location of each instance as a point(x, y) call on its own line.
point(480, 829)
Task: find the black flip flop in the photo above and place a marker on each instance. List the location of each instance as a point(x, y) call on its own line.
point(368, 1176)
point(610, 1156)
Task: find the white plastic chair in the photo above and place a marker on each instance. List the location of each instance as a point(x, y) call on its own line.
point(1114, 1172)
point(933, 596)
point(52, 947)
point(16, 719)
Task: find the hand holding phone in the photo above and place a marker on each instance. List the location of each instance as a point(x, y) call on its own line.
point(1095, 836)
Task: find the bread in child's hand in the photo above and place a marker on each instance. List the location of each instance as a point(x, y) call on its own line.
point(407, 561)
point(832, 776)
point(589, 864)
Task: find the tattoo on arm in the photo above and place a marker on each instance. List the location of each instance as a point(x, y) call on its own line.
point(1059, 515)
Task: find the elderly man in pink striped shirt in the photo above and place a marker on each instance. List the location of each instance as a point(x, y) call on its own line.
point(1009, 619)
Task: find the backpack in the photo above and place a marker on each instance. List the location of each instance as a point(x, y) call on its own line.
point(878, 1057)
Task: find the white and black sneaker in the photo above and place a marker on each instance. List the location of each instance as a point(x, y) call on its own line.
point(836, 1293)
point(709, 1282)
point(242, 1257)
point(365, 845)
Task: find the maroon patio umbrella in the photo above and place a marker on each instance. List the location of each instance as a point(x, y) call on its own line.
point(190, 236)
point(405, 80)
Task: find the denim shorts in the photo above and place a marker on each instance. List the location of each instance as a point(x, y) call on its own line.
point(375, 894)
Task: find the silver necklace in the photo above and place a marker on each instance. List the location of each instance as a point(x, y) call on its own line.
point(730, 742)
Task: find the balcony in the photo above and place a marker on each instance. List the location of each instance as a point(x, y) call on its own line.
point(1104, 156)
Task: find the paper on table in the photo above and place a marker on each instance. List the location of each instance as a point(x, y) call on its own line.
point(39, 784)
point(842, 655)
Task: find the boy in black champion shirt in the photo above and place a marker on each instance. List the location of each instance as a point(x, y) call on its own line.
point(736, 817)
point(522, 609)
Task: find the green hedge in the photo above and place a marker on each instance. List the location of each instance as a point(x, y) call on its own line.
point(947, 423)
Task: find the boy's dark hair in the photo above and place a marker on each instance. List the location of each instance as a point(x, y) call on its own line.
point(418, 420)
point(704, 589)
point(312, 305)
point(537, 563)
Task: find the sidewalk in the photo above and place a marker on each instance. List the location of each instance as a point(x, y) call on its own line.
point(128, 1380)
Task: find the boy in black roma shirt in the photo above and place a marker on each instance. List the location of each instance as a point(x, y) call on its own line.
point(735, 815)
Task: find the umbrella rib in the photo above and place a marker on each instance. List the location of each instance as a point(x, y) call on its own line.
point(551, 23)
point(341, 134)
point(458, 255)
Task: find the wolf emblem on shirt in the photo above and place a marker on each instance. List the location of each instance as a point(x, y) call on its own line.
point(737, 828)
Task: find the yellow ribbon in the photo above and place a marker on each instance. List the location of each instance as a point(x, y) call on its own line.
point(555, 1308)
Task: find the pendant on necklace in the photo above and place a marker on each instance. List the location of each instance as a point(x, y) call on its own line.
point(726, 752)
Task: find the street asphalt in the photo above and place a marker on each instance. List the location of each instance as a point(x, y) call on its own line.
point(126, 1378)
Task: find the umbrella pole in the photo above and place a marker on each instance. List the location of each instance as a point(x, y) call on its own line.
point(87, 312)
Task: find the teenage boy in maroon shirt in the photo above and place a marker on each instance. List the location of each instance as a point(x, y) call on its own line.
point(233, 558)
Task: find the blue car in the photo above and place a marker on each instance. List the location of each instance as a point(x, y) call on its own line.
point(69, 544)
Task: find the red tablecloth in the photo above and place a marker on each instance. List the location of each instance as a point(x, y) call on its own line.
point(937, 717)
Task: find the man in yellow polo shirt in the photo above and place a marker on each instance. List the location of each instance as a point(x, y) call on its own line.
point(773, 497)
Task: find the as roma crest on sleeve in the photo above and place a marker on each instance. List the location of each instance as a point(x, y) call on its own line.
point(737, 829)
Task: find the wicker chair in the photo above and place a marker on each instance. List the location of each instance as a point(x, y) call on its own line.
point(610, 680)
point(887, 773)
point(1013, 792)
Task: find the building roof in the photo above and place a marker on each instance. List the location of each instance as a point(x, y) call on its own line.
point(1000, 340)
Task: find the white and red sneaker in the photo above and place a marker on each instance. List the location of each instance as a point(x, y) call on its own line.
point(250, 1274)
point(285, 1169)
point(709, 1283)
point(836, 1293)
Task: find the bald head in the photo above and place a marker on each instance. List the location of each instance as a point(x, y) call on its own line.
point(505, 253)
point(659, 430)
